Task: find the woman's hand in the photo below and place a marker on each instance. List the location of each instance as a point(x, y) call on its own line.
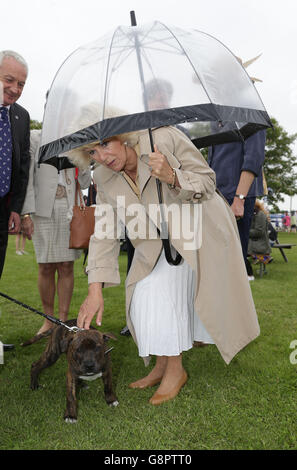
point(160, 167)
point(27, 227)
point(93, 304)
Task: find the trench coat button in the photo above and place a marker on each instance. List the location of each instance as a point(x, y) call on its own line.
point(197, 196)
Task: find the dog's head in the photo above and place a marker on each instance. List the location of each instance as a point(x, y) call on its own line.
point(86, 352)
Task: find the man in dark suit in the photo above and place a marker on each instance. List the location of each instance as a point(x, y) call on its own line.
point(14, 148)
point(239, 176)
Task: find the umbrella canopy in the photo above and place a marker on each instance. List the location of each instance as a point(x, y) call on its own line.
point(143, 77)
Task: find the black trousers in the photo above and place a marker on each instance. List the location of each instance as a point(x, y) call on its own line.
point(130, 253)
point(4, 216)
point(244, 226)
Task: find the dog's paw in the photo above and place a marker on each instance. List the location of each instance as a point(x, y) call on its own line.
point(36, 386)
point(114, 403)
point(68, 419)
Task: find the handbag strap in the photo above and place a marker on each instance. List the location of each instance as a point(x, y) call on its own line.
point(91, 191)
point(78, 192)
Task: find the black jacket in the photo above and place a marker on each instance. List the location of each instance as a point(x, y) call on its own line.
point(20, 131)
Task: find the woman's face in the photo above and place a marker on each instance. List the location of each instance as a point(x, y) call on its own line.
point(111, 154)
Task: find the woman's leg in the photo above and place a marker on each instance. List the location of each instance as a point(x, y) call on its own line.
point(47, 289)
point(23, 243)
point(17, 243)
point(65, 286)
point(155, 376)
point(170, 372)
point(173, 380)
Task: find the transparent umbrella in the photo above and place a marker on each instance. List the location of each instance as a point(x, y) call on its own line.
point(155, 75)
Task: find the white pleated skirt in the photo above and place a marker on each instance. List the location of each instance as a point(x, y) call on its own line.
point(162, 311)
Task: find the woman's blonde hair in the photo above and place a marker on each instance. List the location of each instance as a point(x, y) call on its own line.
point(81, 158)
point(90, 114)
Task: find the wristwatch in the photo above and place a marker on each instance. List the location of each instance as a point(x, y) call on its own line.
point(240, 196)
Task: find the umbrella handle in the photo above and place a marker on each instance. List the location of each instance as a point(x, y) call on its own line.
point(164, 227)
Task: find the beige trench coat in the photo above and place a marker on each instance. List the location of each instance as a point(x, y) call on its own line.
point(223, 299)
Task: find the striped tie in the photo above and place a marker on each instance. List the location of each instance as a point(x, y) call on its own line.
point(5, 152)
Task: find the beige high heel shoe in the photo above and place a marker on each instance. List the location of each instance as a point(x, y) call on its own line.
point(159, 398)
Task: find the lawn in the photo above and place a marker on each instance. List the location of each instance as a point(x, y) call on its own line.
point(249, 404)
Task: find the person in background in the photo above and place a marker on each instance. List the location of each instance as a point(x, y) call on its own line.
point(239, 177)
point(20, 243)
point(272, 233)
point(293, 222)
point(49, 197)
point(14, 151)
point(286, 222)
point(259, 242)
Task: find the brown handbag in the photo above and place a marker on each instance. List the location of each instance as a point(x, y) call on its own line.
point(82, 224)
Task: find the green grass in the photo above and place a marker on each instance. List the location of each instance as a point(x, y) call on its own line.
point(249, 404)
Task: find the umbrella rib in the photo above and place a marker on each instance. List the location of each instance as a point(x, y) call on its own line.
point(190, 61)
point(148, 63)
point(152, 40)
point(129, 49)
point(162, 50)
point(171, 46)
point(122, 58)
point(164, 40)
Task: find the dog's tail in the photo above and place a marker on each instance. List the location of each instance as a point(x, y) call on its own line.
point(37, 337)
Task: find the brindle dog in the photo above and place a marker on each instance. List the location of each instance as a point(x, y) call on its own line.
point(87, 360)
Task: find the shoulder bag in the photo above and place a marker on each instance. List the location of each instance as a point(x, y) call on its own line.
point(82, 224)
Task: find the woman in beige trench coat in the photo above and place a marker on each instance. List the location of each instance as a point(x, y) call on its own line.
point(222, 297)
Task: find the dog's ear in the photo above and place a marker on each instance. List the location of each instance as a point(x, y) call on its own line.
point(107, 336)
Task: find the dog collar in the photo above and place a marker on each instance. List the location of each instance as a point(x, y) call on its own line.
point(108, 350)
point(74, 329)
point(90, 378)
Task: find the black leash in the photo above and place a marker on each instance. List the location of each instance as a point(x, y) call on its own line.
point(49, 317)
point(74, 329)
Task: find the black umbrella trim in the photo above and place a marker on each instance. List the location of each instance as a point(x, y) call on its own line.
point(61, 163)
point(224, 118)
point(229, 136)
